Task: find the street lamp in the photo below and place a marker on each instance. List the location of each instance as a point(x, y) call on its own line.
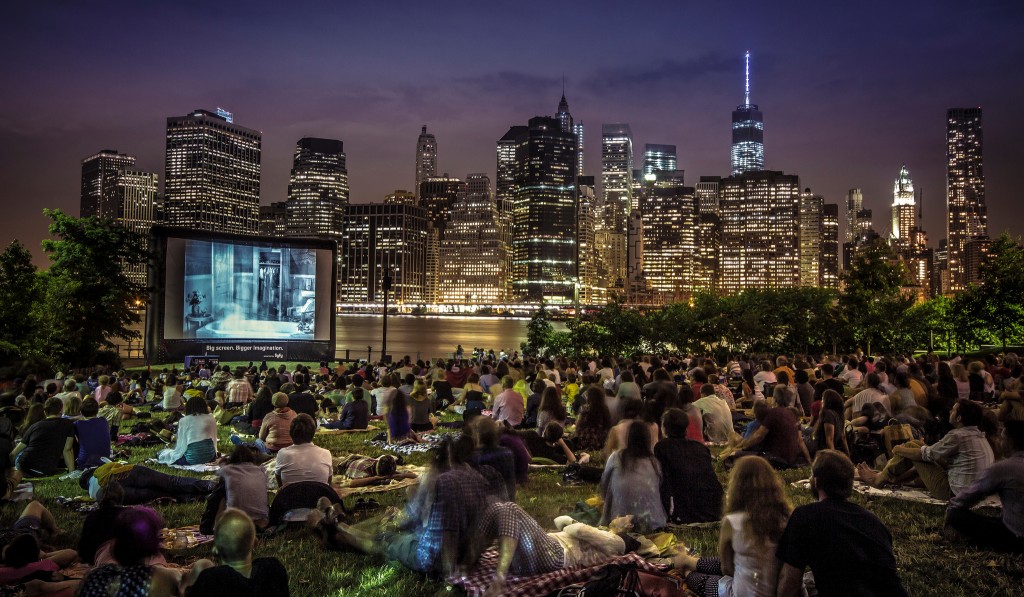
point(386, 286)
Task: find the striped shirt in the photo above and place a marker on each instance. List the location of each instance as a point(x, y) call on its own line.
point(964, 452)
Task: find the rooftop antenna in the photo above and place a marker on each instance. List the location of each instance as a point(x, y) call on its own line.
point(746, 93)
point(563, 84)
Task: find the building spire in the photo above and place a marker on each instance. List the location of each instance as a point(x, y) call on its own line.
point(746, 91)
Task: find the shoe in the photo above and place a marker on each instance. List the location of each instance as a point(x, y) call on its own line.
point(235, 440)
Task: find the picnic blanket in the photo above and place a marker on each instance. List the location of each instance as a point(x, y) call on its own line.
point(479, 578)
point(82, 504)
point(899, 492)
point(195, 468)
point(344, 492)
point(324, 431)
point(184, 538)
point(430, 441)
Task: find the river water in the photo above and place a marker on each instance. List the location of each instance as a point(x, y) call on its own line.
point(426, 337)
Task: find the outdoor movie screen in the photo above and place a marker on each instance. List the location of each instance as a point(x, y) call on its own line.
point(225, 288)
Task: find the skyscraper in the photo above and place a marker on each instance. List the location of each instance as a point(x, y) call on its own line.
point(967, 217)
point(669, 236)
point(543, 209)
point(401, 196)
point(99, 174)
point(591, 289)
point(760, 230)
point(706, 192)
point(811, 237)
point(659, 157)
point(854, 205)
point(426, 158)
point(381, 239)
point(616, 194)
point(438, 195)
point(274, 219)
point(578, 129)
point(563, 115)
point(747, 133)
point(212, 170)
point(904, 213)
point(830, 246)
point(473, 251)
point(317, 189)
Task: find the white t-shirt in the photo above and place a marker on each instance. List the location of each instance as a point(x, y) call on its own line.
point(304, 462)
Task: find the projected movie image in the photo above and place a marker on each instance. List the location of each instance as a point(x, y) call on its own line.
point(250, 292)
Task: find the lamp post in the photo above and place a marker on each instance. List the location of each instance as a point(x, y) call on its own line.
point(386, 286)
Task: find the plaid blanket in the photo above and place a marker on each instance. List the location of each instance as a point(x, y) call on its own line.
point(476, 582)
point(430, 441)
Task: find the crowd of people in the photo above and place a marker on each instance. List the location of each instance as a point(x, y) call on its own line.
point(640, 428)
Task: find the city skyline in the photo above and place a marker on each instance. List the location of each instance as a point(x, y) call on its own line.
point(837, 119)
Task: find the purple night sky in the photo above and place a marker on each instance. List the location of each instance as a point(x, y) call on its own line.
point(849, 94)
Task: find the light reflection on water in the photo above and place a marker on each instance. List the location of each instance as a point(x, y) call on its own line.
point(423, 337)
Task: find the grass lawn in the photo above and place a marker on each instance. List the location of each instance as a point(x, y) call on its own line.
point(928, 564)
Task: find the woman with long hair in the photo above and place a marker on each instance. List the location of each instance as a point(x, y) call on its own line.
point(197, 436)
point(829, 431)
point(136, 541)
point(751, 393)
point(631, 483)
point(594, 422)
point(963, 384)
point(421, 407)
point(399, 419)
point(756, 511)
point(551, 410)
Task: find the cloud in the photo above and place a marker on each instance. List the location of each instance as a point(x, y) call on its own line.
point(508, 82)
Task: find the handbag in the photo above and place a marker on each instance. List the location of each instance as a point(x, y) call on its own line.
point(895, 433)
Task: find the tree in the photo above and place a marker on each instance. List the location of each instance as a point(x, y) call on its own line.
point(1002, 289)
point(538, 332)
point(87, 297)
point(19, 291)
point(874, 301)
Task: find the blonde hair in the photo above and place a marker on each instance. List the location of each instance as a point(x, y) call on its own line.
point(755, 488)
point(419, 391)
point(959, 372)
point(74, 406)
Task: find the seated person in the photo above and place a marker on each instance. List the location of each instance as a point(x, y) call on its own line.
point(690, 490)
point(434, 533)
point(872, 418)
point(274, 430)
point(779, 438)
point(354, 415)
point(594, 422)
point(946, 467)
point(303, 460)
point(197, 436)
point(716, 414)
point(756, 511)
point(93, 435)
point(113, 410)
point(489, 452)
point(243, 486)
point(46, 447)
point(525, 549)
point(420, 409)
point(235, 572)
point(631, 482)
point(399, 417)
point(137, 537)
point(631, 411)
point(1005, 478)
point(847, 548)
point(141, 484)
point(760, 409)
point(533, 404)
point(551, 446)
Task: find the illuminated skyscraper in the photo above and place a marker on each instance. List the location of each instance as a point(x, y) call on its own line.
point(318, 189)
point(967, 217)
point(401, 197)
point(830, 246)
point(578, 129)
point(659, 157)
point(747, 133)
point(383, 238)
point(592, 290)
point(543, 209)
point(669, 236)
point(760, 214)
point(426, 158)
point(854, 206)
point(811, 237)
point(616, 194)
point(904, 213)
point(563, 115)
point(706, 193)
point(437, 196)
point(472, 251)
point(212, 168)
point(274, 219)
point(99, 173)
